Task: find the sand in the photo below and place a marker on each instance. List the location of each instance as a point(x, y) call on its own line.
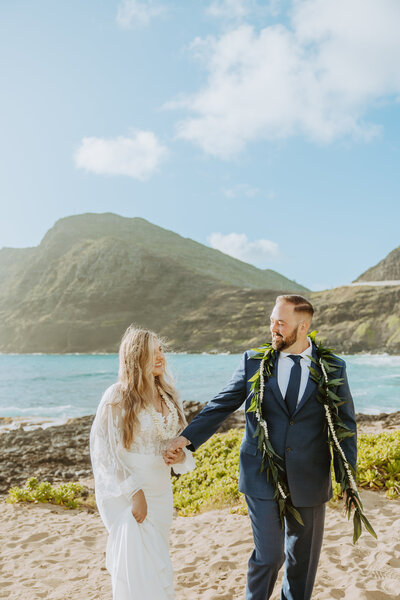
point(49, 552)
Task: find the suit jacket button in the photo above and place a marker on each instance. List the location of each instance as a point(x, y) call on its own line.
point(288, 449)
point(291, 422)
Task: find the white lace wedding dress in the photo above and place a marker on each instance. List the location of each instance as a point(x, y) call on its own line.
point(137, 555)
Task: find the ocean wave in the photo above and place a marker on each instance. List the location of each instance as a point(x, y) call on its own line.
point(41, 411)
point(373, 410)
point(374, 360)
point(93, 375)
point(62, 377)
point(30, 423)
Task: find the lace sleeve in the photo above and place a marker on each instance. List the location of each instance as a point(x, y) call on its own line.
point(187, 465)
point(112, 478)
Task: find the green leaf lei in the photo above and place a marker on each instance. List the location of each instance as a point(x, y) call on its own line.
point(272, 463)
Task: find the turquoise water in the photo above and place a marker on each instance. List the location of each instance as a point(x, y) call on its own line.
point(62, 386)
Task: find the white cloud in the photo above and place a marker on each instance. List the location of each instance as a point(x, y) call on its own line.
point(316, 77)
point(237, 245)
point(137, 156)
point(241, 10)
point(241, 190)
point(135, 11)
point(231, 9)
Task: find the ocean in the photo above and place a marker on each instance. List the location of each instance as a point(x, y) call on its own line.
point(64, 386)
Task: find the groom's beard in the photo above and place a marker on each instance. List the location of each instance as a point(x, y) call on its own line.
point(281, 343)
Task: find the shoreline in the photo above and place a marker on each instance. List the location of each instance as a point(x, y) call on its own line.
point(32, 423)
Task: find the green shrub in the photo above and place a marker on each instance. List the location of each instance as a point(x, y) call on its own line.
point(214, 482)
point(379, 462)
point(69, 495)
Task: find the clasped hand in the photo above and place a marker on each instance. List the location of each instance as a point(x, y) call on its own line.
point(173, 453)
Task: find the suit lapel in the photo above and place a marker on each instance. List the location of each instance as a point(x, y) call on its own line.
point(311, 386)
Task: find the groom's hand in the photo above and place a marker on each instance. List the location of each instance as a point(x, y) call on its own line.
point(177, 443)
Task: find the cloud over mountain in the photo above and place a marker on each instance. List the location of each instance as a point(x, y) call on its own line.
point(237, 245)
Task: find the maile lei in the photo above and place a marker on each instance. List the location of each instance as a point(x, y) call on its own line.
point(273, 464)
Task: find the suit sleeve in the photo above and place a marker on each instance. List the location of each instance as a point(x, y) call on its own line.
point(347, 415)
point(206, 423)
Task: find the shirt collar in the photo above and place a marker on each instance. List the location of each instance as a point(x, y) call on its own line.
point(305, 354)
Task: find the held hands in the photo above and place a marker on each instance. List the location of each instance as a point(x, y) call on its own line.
point(173, 457)
point(139, 506)
point(173, 453)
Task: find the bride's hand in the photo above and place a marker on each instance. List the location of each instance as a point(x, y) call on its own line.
point(139, 506)
point(174, 457)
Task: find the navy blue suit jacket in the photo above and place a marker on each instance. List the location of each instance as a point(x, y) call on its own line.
point(301, 440)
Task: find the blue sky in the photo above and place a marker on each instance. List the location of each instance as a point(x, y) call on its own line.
point(268, 130)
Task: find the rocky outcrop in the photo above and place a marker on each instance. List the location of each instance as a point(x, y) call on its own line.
point(349, 319)
point(359, 319)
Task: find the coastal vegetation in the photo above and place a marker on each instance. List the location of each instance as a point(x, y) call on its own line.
point(214, 483)
point(68, 495)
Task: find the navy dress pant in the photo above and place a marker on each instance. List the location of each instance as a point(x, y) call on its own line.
point(296, 545)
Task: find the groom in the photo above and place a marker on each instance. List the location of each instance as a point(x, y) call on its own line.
point(298, 433)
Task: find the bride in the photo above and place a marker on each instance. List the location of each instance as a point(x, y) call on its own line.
point(134, 421)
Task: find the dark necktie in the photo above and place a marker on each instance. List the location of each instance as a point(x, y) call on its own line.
point(292, 392)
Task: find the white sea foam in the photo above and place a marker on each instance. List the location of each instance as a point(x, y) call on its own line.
point(15, 411)
point(374, 360)
point(29, 423)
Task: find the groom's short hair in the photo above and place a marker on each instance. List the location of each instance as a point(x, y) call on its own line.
point(301, 304)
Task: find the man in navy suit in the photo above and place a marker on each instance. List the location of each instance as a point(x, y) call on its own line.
point(298, 433)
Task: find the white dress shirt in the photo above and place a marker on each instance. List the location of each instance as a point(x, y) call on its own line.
point(285, 365)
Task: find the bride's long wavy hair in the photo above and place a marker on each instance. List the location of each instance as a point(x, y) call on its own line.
point(137, 384)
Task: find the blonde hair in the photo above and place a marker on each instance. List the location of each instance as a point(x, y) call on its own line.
point(137, 384)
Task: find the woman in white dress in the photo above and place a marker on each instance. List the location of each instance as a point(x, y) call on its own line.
point(134, 421)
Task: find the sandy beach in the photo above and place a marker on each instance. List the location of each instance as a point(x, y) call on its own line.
point(49, 552)
point(57, 554)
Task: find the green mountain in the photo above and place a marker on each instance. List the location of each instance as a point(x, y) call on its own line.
point(387, 269)
point(93, 274)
